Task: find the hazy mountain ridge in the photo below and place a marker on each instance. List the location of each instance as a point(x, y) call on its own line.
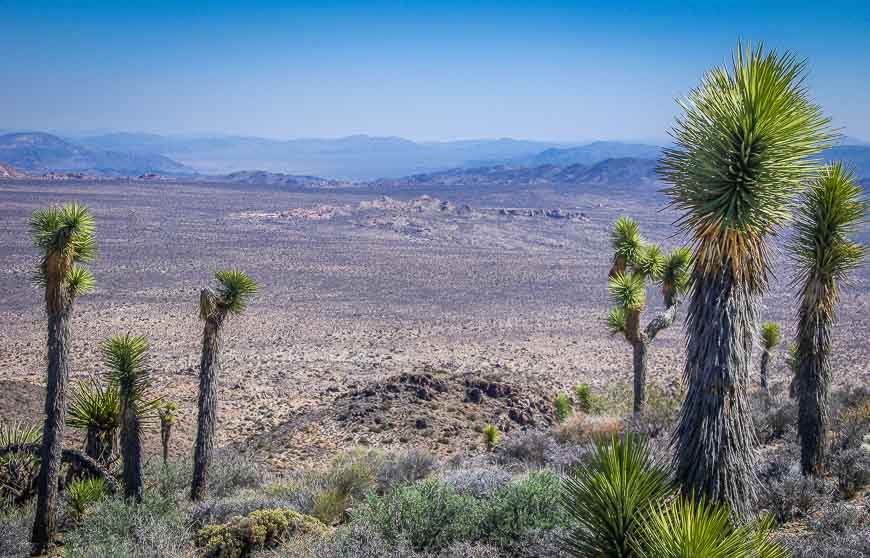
point(40, 152)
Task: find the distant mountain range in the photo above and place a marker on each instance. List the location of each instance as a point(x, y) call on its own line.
point(36, 152)
point(388, 161)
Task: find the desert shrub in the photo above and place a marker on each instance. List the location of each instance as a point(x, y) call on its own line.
point(169, 479)
point(117, 528)
point(523, 506)
point(563, 407)
point(660, 412)
point(242, 535)
point(851, 468)
point(851, 544)
point(491, 436)
point(82, 495)
point(231, 471)
point(607, 497)
point(534, 544)
point(852, 425)
point(839, 518)
point(405, 468)
point(15, 526)
point(430, 515)
point(478, 482)
point(349, 478)
point(18, 471)
point(685, 527)
point(300, 488)
point(795, 496)
point(775, 462)
point(580, 429)
point(222, 510)
point(530, 448)
point(775, 420)
point(583, 398)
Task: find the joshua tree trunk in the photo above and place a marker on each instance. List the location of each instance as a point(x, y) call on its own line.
point(813, 379)
point(715, 438)
point(100, 445)
point(640, 341)
point(44, 525)
point(165, 433)
point(765, 364)
point(205, 427)
point(131, 444)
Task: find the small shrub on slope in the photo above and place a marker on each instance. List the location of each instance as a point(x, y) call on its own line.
point(242, 535)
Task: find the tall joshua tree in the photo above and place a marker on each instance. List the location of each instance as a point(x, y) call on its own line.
point(742, 147)
point(634, 262)
point(230, 297)
point(823, 255)
point(770, 338)
point(65, 237)
point(125, 358)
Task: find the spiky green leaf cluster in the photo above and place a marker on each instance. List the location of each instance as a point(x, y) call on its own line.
point(743, 148)
point(232, 295)
point(696, 528)
point(19, 432)
point(628, 291)
point(677, 272)
point(167, 412)
point(771, 335)
point(650, 262)
point(125, 357)
point(608, 497)
point(626, 240)
point(66, 236)
point(94, 405)
point(821, 249)
point(616, 320)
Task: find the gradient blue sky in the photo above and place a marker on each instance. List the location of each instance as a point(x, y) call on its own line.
point(422, 70)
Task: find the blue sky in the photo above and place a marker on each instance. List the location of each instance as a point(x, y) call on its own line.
point(422, 70)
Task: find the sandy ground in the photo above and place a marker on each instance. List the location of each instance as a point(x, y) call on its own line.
point(343, 304)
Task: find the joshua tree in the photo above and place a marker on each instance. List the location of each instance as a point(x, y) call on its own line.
point(743, 148)
point(125, 359)
point(634, 262)
point(823, 255)
point(230, 297)
point(167, 415)
point(65, 238)
point(770, 338)
point(96, 409)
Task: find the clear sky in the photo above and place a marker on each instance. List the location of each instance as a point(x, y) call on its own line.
point(422, 70)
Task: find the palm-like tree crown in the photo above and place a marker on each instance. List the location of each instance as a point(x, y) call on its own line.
point(627, 243)
point(770, 335)
point(66, 237)
point(742, 149)
point(830, 211)
point(93, 405)
point(628, 290)
point(125, 357)
point(676, 272)
point(234, 291)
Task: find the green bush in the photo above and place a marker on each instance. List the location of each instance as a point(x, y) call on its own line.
point(607, 497)
point(583, 397)
point(521, 507)
point(429, 515)
point(491, 436)
point(82, 495)
point(260, 529)
point(18, 470)
point(563, 407)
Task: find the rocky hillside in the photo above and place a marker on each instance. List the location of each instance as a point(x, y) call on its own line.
point(8, 172)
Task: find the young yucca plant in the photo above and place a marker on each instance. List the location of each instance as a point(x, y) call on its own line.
point(65, 238)
point(168, 415)
point(608, 497)
point(743, 147)
point(83, 494)
point(491, 436)
point(692, 528)
point(125, 358)
point(96, 409)
point(770, 338)
point(634, 263)
point(17, 470)
point(231, 296)
point(824, 255)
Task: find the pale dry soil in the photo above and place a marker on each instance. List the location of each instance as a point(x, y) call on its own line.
point(343, 305)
